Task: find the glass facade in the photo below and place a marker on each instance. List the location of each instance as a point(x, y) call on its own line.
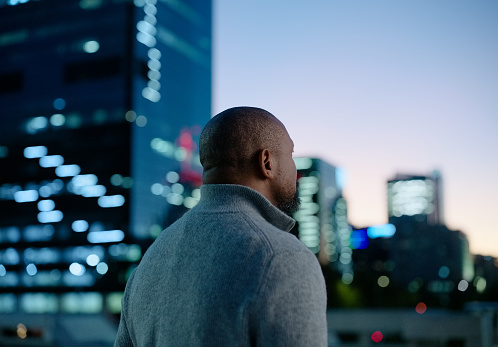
point(322, 222)
point(417, 197)
point(102, 103)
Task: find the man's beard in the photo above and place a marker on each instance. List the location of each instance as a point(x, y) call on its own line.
point(289, 205)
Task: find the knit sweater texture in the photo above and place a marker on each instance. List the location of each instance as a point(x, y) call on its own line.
point(227, 273)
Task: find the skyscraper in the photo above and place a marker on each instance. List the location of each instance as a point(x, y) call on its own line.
point(322, 223)
point(427, 255)
point(101, 104)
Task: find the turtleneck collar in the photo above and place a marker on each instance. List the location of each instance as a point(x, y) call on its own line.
point(237, 198)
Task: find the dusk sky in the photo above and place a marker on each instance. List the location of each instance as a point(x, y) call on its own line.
point(376, 87)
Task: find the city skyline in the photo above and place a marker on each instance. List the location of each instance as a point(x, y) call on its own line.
point(376, 88)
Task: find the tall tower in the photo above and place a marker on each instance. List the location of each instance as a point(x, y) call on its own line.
point(428, 256)
point(102, 102)
point(322, 223)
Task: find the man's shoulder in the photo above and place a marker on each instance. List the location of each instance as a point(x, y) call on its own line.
point(278, 240)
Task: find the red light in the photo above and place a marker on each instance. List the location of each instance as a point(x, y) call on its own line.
point(185, 140)
point(377, 336)
point(421, 307)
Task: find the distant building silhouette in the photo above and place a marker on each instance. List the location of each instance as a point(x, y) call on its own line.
point(322, 222)
point(419, 197)
point(426, 254)
point(101, 104)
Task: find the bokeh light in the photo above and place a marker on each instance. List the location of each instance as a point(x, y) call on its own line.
point(421, 307)
point(377, 336)
point(383, 281)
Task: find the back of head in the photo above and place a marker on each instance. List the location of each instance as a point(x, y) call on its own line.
point(231, 140)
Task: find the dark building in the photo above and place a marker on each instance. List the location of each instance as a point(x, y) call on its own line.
point(427, 255)
point(486, 279)
point(101, 104)
point(322, 222)
point(433, 256)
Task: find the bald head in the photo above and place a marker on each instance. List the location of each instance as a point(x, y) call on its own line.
point(231, 141)
point(249, 146)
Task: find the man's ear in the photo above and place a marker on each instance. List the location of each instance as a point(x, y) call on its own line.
point(265, 163)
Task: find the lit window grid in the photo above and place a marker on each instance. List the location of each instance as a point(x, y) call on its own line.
point(49, 267)
point(411, 197)
point(322, 230)
point(74, 302)
point(11, 257)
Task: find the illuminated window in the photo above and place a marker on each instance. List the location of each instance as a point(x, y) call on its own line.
point(8, 303)
point(82, 302)
point(51, 161)
point(35, 152)
point(111, 201)
point(39, 303)
point(91, 46)
point(79, 226)
point(105, 236)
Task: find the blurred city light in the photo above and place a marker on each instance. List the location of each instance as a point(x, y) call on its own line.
point(377, 336)
point(421, 308)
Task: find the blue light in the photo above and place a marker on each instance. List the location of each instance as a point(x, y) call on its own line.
point(67, 170)
point(105, 236)
point(91, 46)
point(16, 2)
point(46, 191)
point(10, 256)
point(147, 28)
point(84, 280)
point(77, 269)
point(26, 196)
point(4, 151)
point(35, 152)
point(59, 104)
point(146, 39)
point(102, 268)
point(31, 269)
point(383, 230)
point(10, 234)
point(172, 177)
point(34, 233)
point(46, 205)
point(84, 180)
point(41, 255)
point(36, 123)
point(340, 178)
point(50, 217)
point(57, 120)
point(93, 191)
point(303, 163)
point(80, 226)
point(359, 239)
point(111, 201)
point(51, 161)
point(154, 53)
point(92, 259)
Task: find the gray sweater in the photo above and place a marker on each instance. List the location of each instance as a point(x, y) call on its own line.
point(227, 273)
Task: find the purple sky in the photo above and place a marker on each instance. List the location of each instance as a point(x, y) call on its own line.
point(376, 87)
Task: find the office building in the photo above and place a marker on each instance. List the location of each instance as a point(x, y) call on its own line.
point(102, 102)
point(322, 222)
point(418, 197)
point(427, 255)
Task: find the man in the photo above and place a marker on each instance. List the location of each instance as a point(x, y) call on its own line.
point(228, 273)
